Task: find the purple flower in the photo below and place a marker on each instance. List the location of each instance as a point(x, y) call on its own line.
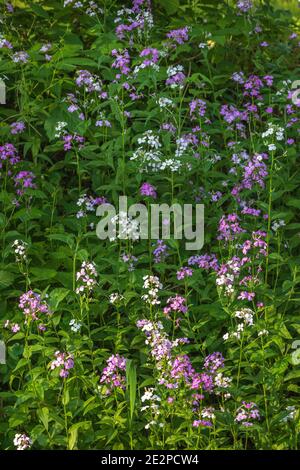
point(148, 190)
point(244, 5)
point(130, 260)
point(4, 43)
point(252, 87)
point(158, 341)
point(151, 54)
point(160, 252)
point(15, 328)
point(103, 123)
point(72, 140)
point(9, 7)
point(184, 272)
point(20, 56)
point(176, 76)
point(238, 77)
point(138, 18)
point(63, 361)
point(167, 126)
point(121, 62)
point(17, 127)
point(8, 154)
point(24, 180)
point(113, 375)
point(229, 227)
point(246, 296)
point(175, 304)
point(254, 172)
point(213, 362)
point(231, 113)
point(89, 81)
point(247, 414)
point(251, 211)
point(46, 47)
point(205, 261)
point(180, 36)
point(197, 108)
point(201, 422)
point(268, 79)
point(32, 305)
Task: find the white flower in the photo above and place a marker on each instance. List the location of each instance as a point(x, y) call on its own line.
point(20, 248)
point(60, 128)
point(22, 442)
point(292, 414)
point(278, 224)
point(115, 297)
point(75, 326)
point(164, 102)
point(263, 333)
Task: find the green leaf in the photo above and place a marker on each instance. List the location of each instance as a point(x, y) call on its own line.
point(73, 433)
point(43, 273)
point(131, 384)
point(6, 279)
point(56, 297)
point(43, 414)
point(171, 6)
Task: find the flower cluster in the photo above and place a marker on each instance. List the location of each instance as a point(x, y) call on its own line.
point(17, 127)
point(130, 260)
point(75, 326)
point(89, 81)
point(22, 441)
point(179, 36)
point(20, 249)
point(152, 284)
point(73, 141)
point(149, 190)
point(229, 227)
point(247, 414)
point(176, 76)
point(174, 306)
point(184, 272)
point(88, 204)
point(160, 251)
point(20, 57)
point(64, 362)
point(128, 227)
point(137, 19)
point(14, 328)
point(24, 180)
point(33, 306)
point(151, 406)
point(244, 5)
point(121, 62)
point(113, 375)
point(197, 108)
point(8, 154)
point(86, 278)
